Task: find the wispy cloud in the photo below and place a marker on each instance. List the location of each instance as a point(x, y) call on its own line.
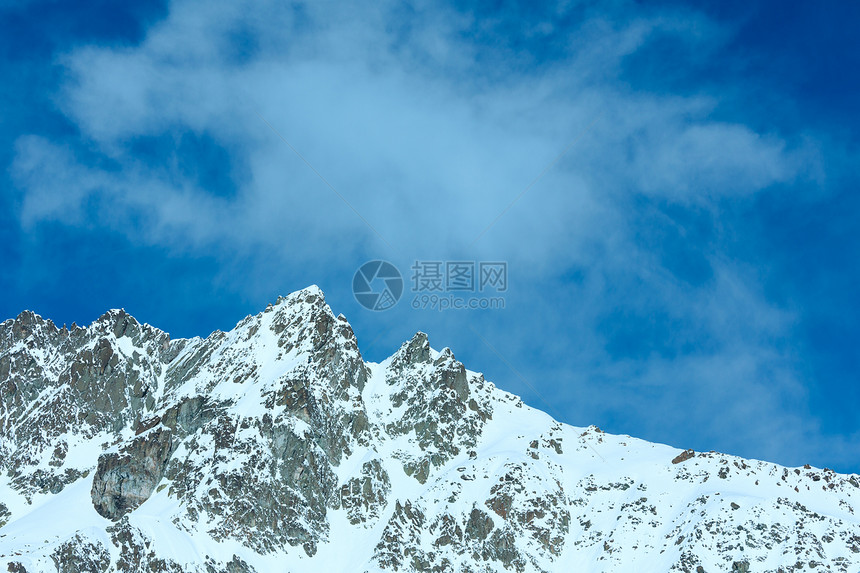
point(430, 122)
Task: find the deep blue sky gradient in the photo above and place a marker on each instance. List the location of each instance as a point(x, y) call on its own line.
point(596, 333)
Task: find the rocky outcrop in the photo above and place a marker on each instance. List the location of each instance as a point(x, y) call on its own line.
point(443, 408)
point(4, 514)
point(61, 386)
point(126, 479)
point(540, 516)
point(262, 481)
point(136, 553)
point(364, 497)
point(400, 548)
point(81, 555)
point(683, 456)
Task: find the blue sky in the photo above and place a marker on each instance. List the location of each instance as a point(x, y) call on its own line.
point(686, 272)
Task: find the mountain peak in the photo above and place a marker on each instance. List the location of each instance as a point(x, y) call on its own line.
point(312, 295)
point(414, 351)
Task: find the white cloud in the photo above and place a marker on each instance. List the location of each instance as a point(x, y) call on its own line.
point(418, 128)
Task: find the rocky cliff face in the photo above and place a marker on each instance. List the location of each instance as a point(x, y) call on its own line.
point(276, 447)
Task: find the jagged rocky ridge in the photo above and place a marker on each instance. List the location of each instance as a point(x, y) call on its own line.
point(276, 447)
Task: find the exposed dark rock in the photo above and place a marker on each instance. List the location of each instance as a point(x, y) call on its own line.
point(364, 497)
point(189, 416)
point(479, 526)
point(126, 479)
point(235, 565)
point(683, 456)
point(80, 555)
point(135, 551)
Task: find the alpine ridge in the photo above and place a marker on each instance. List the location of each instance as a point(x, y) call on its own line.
point(276, 447)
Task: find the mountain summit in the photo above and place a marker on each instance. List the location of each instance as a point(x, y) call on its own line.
point(276, 447)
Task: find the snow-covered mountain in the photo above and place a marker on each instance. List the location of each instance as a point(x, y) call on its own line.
point(275, 447)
